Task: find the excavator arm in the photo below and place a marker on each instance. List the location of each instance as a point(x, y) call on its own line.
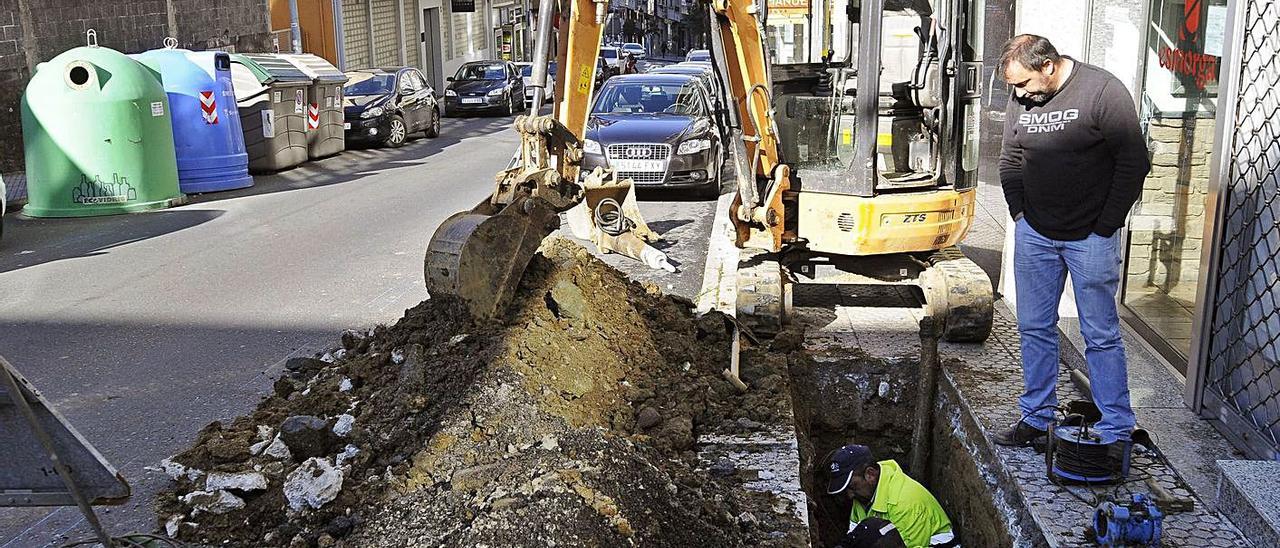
point(743, 70)
point(480, 255)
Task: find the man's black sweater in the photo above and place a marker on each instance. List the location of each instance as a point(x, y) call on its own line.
point(1076, 163)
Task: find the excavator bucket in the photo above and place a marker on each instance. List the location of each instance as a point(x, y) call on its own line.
point(608, 205)
point(609, 218)
point(480, 257)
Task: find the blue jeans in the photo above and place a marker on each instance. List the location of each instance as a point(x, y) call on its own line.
point(1040, 271)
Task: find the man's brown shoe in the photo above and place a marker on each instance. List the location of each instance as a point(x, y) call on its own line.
point(1019, 435)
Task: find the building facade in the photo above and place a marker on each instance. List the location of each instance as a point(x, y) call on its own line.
point(436, 36)
point(666, 28)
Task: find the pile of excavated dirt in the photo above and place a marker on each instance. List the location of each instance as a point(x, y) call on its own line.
point(573, 421)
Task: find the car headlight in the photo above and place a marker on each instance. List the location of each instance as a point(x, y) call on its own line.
point(450, 93)
point(372, 113)
point(693, 146)
point(590, 147)
point(497, 92)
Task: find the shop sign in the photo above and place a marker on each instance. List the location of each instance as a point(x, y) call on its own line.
point(1194, 60)
point(462, 6)
point(789, 7)
point(1198, 67)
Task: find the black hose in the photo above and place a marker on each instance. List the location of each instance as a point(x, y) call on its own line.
point(1079, 458)
point(610, 220)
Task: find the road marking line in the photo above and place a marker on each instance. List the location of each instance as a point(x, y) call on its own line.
point(719, 277)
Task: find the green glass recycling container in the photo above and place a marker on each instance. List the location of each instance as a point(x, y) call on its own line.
point(97, 137)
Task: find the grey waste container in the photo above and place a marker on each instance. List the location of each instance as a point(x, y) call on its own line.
point(272, 97)
point(325, 133)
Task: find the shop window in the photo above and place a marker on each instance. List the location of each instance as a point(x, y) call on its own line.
point(1178, 105)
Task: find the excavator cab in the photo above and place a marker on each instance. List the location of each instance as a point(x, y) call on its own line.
point(873, 115)
point(816, 82)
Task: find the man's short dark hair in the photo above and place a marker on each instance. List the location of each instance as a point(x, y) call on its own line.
point(1030, 51)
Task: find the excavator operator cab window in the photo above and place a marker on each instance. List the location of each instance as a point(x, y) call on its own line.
point(815, 76)
point(816, 86)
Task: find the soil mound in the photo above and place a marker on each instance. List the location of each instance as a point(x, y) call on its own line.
point(573, 421)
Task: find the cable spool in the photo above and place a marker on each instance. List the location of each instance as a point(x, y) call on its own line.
point(1080, 455)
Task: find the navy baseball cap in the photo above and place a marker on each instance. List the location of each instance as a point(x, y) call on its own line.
point(874, 532)
point(843, 463)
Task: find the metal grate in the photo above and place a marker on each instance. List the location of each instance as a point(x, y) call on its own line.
point(644, 177)
point(845, 222)
point(639, 151)
point(1243, 374)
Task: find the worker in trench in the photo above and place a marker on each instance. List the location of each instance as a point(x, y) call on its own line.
point(889, 508)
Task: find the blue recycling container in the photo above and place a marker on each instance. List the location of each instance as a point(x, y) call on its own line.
point(206, 124)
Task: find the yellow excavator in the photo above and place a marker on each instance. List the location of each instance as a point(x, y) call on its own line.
point(838, 178)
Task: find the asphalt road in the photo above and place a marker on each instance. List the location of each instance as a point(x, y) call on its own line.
point(143, 328)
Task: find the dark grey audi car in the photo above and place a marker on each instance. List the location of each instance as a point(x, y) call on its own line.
point(657, 130)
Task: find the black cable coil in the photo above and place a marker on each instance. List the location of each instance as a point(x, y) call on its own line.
point(609, 218)
point(1078, 457)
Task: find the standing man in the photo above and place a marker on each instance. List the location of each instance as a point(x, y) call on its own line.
point(882, 491)
point(1072, 165)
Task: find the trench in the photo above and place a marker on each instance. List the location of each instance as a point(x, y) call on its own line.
point(858, 398)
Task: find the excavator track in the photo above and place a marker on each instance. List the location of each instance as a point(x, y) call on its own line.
point(957, 291)
point(963, 289)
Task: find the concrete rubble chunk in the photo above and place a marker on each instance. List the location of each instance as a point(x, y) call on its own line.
point(314, 484)
point(241, 481)
point(278, 449)
point(213, 502)
point(177, 470)
point(342, 426)
point(397, 356)
point(257, 448)
point(171, 525)
point(349, 452)
point(345, 385)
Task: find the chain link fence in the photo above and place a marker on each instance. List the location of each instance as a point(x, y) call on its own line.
point(1243, 376)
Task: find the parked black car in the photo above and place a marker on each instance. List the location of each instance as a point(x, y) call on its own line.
point(385, 105)
point(485, 86)
point(657, 130)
